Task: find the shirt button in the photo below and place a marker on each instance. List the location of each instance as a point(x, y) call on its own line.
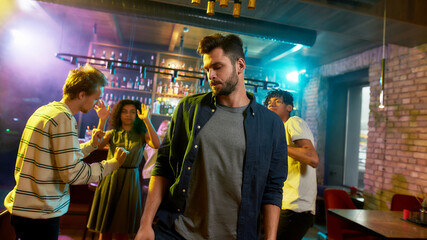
point(213, 110)
point(195, 146)
point(189, 168)
point(198, 126)
point(183, 190)
point(253, 114)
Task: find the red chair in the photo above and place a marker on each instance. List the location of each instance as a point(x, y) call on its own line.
point(402, 201)
point(337, 228)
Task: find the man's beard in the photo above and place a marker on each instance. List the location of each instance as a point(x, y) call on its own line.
point(229, 85)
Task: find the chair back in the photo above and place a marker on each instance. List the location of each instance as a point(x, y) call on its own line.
point(336, 199)
point(402, 201)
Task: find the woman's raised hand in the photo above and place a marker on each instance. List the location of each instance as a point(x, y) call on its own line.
point(144, 113)
point(102, 111)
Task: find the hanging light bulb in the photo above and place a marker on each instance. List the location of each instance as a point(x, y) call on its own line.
point(195, 2)
point(211, 7)
point(223, 3)
point(251, 4)
point(236, 8)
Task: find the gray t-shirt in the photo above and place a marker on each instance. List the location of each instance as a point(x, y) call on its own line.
point(214, 193)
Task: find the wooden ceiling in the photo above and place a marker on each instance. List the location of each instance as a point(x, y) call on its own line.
point(344, 27)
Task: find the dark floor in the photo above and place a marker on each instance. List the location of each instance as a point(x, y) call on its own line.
point(72, 227)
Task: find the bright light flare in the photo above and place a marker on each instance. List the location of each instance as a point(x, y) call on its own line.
point(20, 38)
point(293, 76)
point(26, 5)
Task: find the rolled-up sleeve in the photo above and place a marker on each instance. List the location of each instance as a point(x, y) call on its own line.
point(278, 166)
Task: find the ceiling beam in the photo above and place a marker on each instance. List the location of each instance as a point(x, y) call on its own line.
point(198, 17)
point(176, 31)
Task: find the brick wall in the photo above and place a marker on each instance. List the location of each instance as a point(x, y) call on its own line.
point(397, 140)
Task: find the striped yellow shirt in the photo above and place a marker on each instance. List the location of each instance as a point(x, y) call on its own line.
point(48, 160)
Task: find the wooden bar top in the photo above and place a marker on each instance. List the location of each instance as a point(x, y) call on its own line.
point(386, 224)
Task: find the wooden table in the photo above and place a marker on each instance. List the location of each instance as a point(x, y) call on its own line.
point(384, 224)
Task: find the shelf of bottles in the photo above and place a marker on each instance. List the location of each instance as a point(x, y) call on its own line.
point(156, 79)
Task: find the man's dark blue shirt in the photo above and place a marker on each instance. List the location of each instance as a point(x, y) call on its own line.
point(265, 164)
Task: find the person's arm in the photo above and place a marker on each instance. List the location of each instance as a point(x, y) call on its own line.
point(68, 156)
point(304, 152)
point(271, 221)
point(151, 137)
point(156, 191)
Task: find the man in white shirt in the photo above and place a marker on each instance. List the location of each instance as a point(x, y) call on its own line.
point(300, 188)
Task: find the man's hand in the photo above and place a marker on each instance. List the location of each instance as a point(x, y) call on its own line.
point(97, 136)
point(144, 113)
point(120, 155)
point(102, 111)
point(145, 233)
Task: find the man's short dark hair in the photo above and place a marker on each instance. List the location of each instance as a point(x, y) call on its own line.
point(285, 95)
point(83, 79)
point(231, 44)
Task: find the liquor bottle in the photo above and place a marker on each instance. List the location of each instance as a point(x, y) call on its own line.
point(113, 56)
point(117, 83)
point(105, 97)
point(120, 59)
point(171, 108)
point(103, 57)
point(88, 134)
point(186, 89)
point(149, 83)
point(128, 60)
point(129, 84)
point(181, 89)
point(159, 87)
point(162, 64)
point(93, 56)
point(135, 60)
point(190, 68)
point(152, 60)
point(124, 83)
point(111, 99)
point(111, 83)
point(192, 90)
point(170, 89)
point(142, 85)
point(176, 89)
point(165, 88)
point(136, 84)
point(182, 73)
point(162, 107)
